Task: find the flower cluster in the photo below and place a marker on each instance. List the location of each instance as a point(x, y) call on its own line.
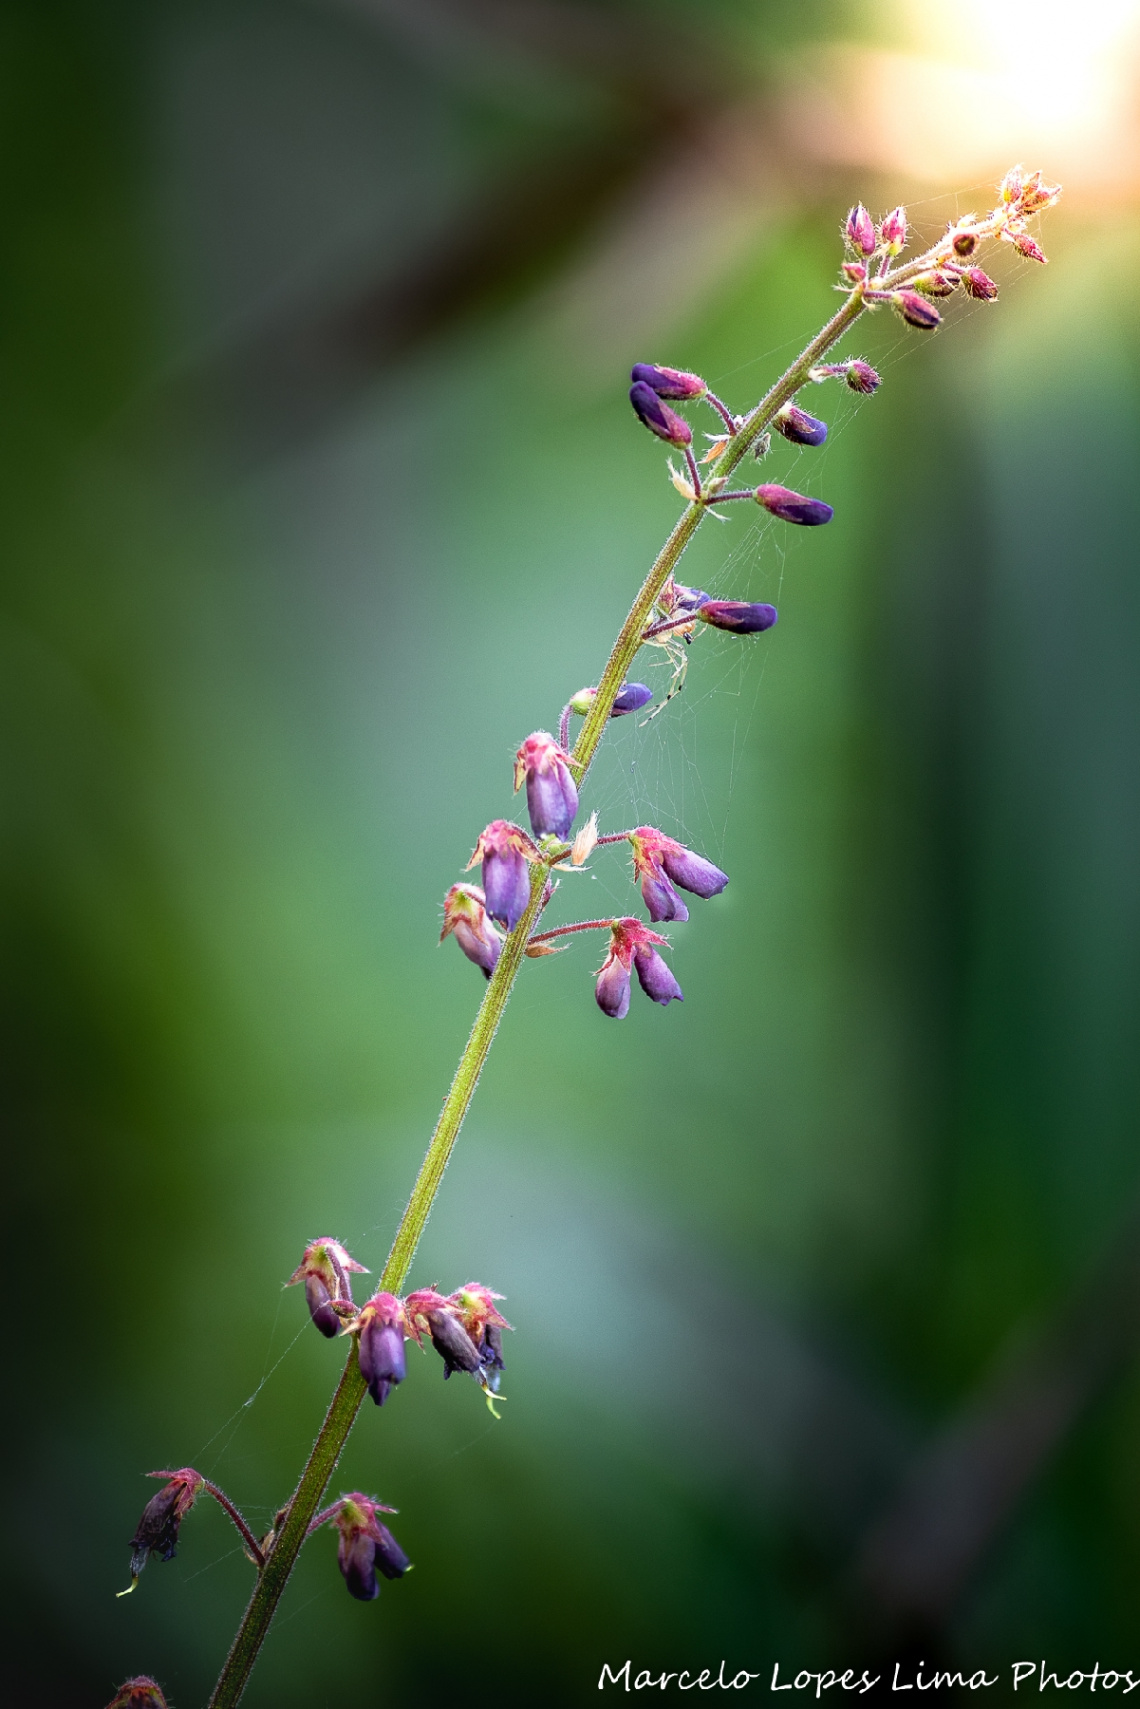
point(366, 1549)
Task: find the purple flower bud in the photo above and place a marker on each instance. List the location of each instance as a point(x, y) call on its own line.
point(157, 1531)
point(658, 417)
point(738, 616)
point(381, 1346)
point(505, 851)
point(861, 377)
point(892, 232)
point(390, 1558)
point(936, 283)
point(318, 1299)
point(465, 915)
point(794, 507)
point(687, 599)
point(631, 698)
point(668, 382)
point(655, 977)
point(979, 285)
point(691, 871)
point(800, 427)
point(916, 311)
point(612, 989)
point(860, 231)
point(551, 798)
point(964, 244)
point(661, 900)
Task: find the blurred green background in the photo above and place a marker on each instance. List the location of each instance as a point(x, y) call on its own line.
point(320, 491)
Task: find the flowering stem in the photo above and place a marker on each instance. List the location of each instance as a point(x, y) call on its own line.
point(351, 1389)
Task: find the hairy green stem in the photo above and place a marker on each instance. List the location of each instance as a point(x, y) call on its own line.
point(351, 1389)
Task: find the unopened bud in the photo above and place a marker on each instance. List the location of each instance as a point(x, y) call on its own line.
point(1025, 246)
point(668, 382)
point(800, 427)
point(861, 377)
point(935, 284)
point(916, 311)
point(658, 417)
point(737, 616)
point(465, 914)
point(1011, 184)
point(892, 232)
point(854, 272)
point(978, 285)
point(794, 507)
point(860, 231)
point(964, 243)
point(505, 851)
point(551, 796)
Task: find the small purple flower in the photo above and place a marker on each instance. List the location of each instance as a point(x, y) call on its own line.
point(464, 914)
point(551, 798)
point(668, 382)
point(659, 863)
point(366, 1547)
point(800, 427)
point(381, 1345)
point(658, 417)
point(738, 616)
point(916, 311)
point(631, 945)
point(655, 977)
point(505, 851)
point(794, 507)
point(860, 231)
point(325, 1269)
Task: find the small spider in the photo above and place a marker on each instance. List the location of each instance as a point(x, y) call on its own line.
point(674, 601)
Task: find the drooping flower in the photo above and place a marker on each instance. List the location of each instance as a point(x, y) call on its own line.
point(860, 231)
point(484, 1324)
point(631, 947)
point(381, 1346)
point(505, 851)
point(325, 1268)
point(793, 507)
point(366, 1547)
point(659, 863)
point(737, 616)
point(142, 1692)
point(157, 1531)
point(658, 417)
point(800, 427)
point(551, 798)
point(465, 914)
point(668, 382)
point(439, 1316)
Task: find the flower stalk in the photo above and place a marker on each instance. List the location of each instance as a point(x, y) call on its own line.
point(554, 774)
